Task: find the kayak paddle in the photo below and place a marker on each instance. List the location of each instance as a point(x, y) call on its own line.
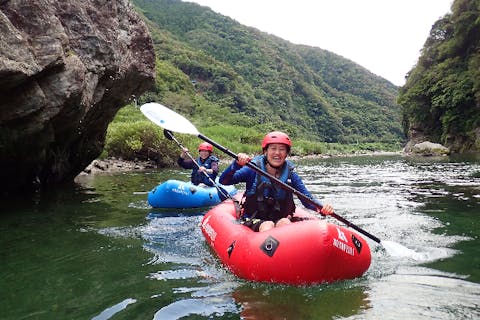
point(222, 193)
point(172, 121)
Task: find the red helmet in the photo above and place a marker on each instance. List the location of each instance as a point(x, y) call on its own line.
point(276, 137)
point(205, 146)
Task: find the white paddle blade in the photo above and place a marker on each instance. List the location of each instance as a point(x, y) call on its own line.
point(167, 118)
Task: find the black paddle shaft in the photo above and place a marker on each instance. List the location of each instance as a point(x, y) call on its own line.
point(287, 187)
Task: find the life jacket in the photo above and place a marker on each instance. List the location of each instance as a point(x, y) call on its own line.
point(199, 177)
point(266, 200)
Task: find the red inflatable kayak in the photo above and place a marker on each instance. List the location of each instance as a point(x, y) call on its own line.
point(303, 253)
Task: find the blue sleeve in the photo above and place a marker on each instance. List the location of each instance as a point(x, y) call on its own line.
point(235, 173)
point(297, 183)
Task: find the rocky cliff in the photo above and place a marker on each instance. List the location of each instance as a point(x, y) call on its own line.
point(66, 67)
point(441, 97)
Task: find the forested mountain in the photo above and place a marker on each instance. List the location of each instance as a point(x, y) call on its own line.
point(213, 68)
point(441, 98)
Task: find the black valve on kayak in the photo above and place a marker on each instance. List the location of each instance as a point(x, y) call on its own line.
point(269, 246)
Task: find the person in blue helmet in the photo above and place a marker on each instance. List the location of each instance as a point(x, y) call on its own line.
point(266, 204)
point(206, 162)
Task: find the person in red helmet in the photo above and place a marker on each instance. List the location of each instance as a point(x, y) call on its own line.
point(206, 163)
point(266, 204)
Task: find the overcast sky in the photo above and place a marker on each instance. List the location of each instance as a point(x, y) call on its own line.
point(384, 36)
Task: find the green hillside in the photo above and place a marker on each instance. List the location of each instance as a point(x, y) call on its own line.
point(238, 83)
point(306, 89)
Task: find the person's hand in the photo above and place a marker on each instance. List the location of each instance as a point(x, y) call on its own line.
point(184, 152)
point(243, 158)
point(326, 210)
point(203, 169)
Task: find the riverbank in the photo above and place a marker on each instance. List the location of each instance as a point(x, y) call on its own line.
point(113, 165)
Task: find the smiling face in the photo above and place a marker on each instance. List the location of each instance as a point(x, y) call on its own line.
point(276, 154)
point(204, 154)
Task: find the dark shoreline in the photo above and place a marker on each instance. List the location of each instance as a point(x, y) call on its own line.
point(111, 165)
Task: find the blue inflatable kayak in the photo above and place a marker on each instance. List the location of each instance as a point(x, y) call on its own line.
point(181, 194)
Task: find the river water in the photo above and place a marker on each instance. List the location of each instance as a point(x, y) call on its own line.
point(96, 250)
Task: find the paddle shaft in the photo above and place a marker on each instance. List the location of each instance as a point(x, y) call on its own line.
point(170, 135)
point(288, 187)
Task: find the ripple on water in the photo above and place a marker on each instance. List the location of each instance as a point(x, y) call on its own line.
point(178, 274)
point(422, 293)
point(206, 307)
point(140, 204)
point(111, 311)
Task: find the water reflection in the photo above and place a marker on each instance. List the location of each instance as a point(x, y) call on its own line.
point(258, 302)
point(211, 301)
point(263, 301)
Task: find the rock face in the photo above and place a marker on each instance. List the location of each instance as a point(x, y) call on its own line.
point(418, 144)
point(66, 67)
point(427, 148)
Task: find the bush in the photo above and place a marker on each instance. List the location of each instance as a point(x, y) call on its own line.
point(140, 140)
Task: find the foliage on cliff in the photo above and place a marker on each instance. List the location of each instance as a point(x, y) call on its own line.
point(441, 98)
point(217, 71)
